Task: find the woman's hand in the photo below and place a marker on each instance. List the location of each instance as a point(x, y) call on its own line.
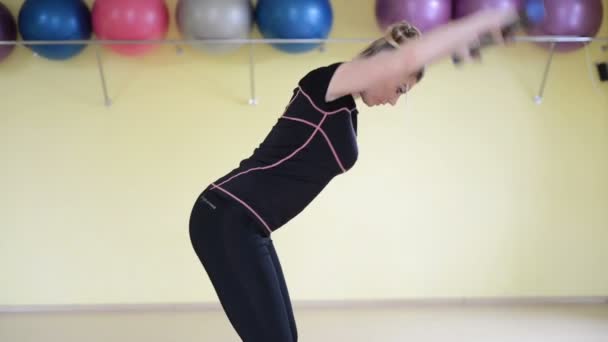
point(499, 26)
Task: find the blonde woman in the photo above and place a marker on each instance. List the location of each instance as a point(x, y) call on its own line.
point(312, 142)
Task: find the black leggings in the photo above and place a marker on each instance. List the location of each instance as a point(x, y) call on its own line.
point(243, 266)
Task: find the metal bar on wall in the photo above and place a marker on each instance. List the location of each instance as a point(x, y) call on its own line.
point(178, 43)
point(545, 39)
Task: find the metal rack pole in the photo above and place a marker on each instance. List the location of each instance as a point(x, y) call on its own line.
point(252, 100)
point(107, 100)
point(539, 98)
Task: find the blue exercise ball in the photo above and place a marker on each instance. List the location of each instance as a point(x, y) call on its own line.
point(55, 20)
point(294, 19)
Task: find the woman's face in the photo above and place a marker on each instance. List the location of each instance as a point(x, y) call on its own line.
point(383, 94)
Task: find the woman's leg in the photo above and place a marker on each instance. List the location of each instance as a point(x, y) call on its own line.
point(244, 270)
point(284, 291)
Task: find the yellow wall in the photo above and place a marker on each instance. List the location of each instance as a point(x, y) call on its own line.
point(468, 189)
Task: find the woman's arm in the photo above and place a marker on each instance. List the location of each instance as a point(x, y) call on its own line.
point(394, 66)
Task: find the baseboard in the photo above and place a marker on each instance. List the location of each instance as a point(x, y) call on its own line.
point(318, 304)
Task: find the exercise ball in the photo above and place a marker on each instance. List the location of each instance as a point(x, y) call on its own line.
point(581, 18)
point(463, 8)
point(294, 19)
point(131, 20)
point(8, 31)
point(423, 14)
point(215, 19)
point(55, 20)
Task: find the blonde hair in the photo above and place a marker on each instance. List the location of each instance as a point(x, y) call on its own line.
point(395, 35)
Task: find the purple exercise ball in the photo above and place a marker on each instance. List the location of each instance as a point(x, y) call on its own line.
point(581, 18)
point(463, 8)
point(8, 31)
point(423, 14)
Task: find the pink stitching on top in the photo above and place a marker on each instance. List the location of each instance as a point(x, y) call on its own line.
point(280, 161)
point(246, 206)
point(322, 111)
point(317, 129)
point(331, 146)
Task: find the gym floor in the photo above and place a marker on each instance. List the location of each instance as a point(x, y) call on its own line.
point(430, 323)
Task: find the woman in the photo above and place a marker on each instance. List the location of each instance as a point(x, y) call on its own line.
point(314, 140)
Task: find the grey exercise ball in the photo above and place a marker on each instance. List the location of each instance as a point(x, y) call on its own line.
point(215, 19)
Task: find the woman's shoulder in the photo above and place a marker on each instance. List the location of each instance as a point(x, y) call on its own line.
point(320, 75)
point(316, 82)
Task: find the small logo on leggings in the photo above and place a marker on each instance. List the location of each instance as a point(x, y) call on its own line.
point(208, 203)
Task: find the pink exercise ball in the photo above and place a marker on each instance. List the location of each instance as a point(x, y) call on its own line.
point(464, 8)
point(424, 14)
point(582, 18)
point(130, 20)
